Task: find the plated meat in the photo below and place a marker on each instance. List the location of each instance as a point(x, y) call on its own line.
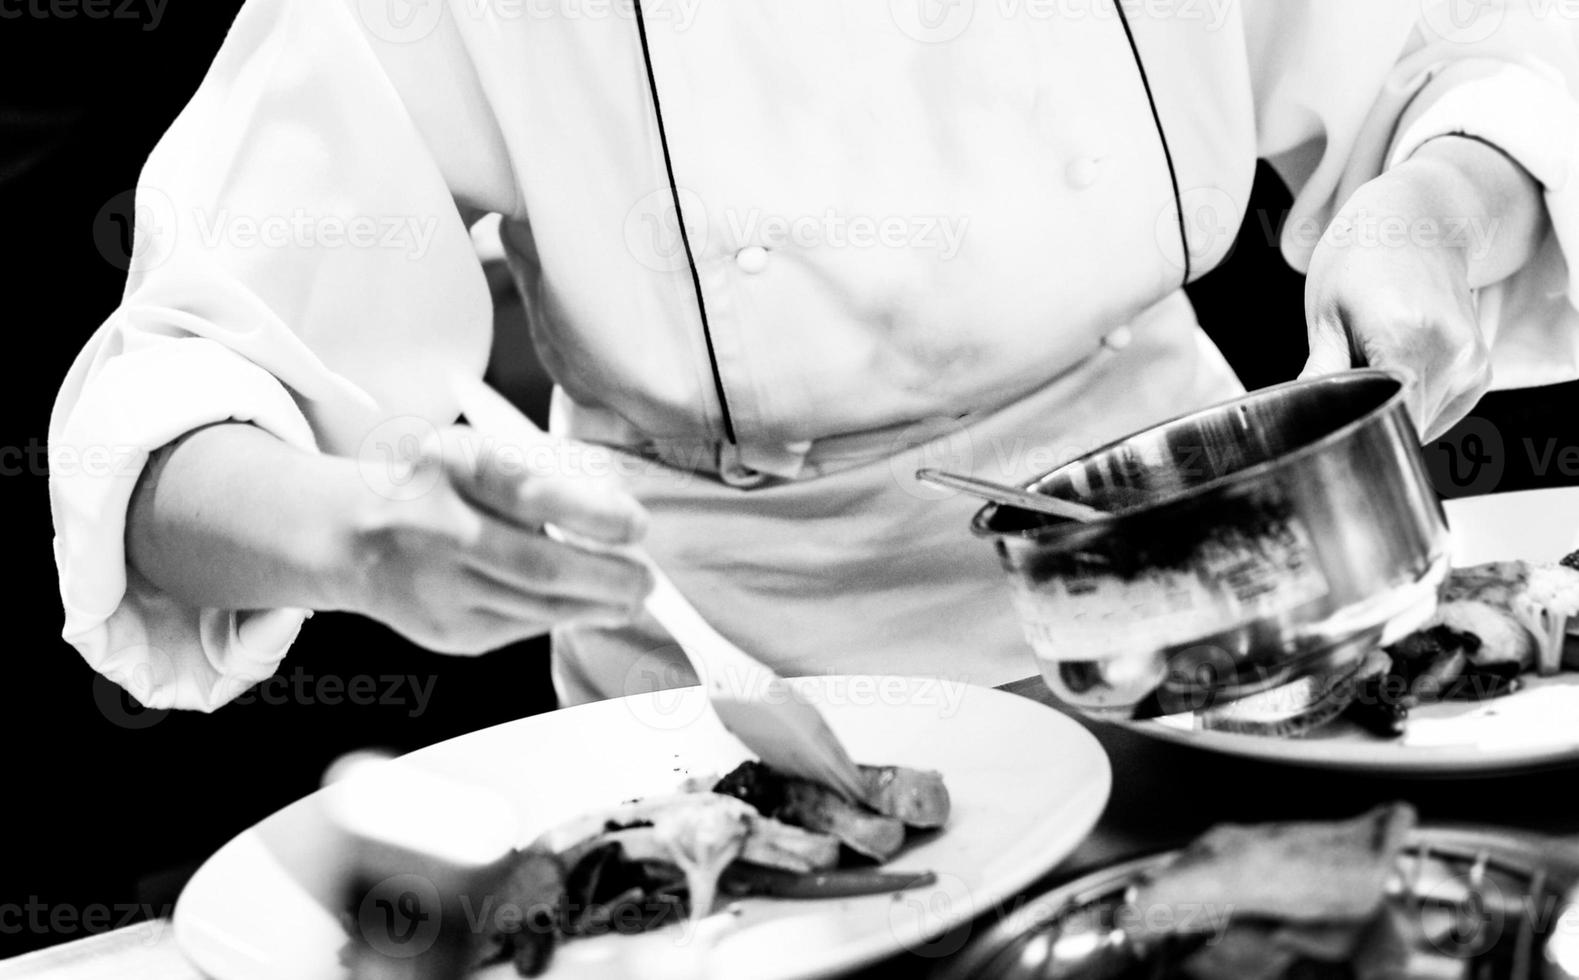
point(647, 862)
point(1518, 610)
point(1295, 900)
point(1290, 872)
point(1360, 899)
point(1493, 623)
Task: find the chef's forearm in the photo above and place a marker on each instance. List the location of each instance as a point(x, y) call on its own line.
point(231, 517)
point(1477, 197)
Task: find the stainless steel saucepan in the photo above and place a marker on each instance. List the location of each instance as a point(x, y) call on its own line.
point(1281, 535)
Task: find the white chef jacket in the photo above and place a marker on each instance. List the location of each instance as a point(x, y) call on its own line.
point(906, 231)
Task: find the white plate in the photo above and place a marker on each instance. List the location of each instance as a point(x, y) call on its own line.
point(1538, 726)
point(1028, 784)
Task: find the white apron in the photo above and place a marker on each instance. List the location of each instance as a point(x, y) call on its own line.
point(854, 567)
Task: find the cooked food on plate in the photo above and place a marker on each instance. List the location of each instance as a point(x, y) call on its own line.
point(755, 832)
point(1350, 899)
point(1494, 623)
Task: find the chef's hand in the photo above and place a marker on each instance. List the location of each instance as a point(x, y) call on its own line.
point(466, 568)
point(1390, 285)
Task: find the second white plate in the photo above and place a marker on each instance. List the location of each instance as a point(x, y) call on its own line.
point(1538, 726)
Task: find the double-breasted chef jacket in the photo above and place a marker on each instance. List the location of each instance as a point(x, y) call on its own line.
point(775, 254)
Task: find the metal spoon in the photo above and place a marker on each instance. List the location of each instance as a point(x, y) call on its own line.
point(999, 493)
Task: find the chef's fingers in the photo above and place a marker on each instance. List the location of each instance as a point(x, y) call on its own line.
point(483, 628)
point(516, 616)
point(531, 491)
point(1441, 353)
point(1463, 380)
point(533, 564)
point(1330, 350)
point(1441, 357)
point(592, 509)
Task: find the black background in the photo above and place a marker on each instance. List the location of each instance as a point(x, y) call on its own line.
point(106, 805)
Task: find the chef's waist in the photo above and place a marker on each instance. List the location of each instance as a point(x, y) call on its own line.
point(754, 463)
point(743, 465)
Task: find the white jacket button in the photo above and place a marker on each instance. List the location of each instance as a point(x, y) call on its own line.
point(742, 477)
point(752, 259)
point(1083, 172)
point(1118, 339)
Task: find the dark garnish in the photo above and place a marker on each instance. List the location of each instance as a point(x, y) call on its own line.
point(1377, 708)
point(756, 784)
point(742, 879)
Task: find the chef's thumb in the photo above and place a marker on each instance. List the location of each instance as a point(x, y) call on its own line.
point(1328, 355)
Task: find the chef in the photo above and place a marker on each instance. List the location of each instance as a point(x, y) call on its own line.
point(775, 255)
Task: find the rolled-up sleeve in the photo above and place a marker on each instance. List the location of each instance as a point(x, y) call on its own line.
point(299, 263)
point(1348, 88)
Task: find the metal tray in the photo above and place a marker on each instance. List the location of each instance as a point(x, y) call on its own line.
point(1486, 877)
